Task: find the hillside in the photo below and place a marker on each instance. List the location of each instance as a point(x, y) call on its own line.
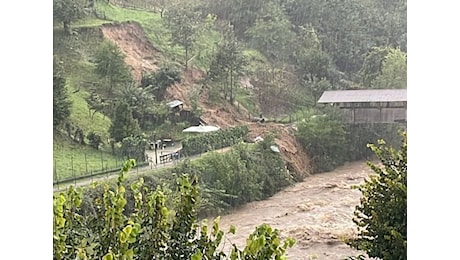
point(228, 63)
point(140, 56)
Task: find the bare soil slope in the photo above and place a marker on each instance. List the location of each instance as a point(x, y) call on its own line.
point(141, 56)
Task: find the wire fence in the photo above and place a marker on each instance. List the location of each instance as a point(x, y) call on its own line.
point(82, 165)
point(137, 4)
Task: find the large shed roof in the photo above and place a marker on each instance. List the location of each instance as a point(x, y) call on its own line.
point(367, 95)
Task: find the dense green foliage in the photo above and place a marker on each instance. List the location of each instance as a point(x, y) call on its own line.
point(330, 143)
point(110, 65)
point(160, 80)
point(324, 137)
point(203, 142)
point(394, 71)
point(246, 173)
point(68, 11)
point(133, 147)
point(184, 22)
point(61, 102)
point(152, 230)
point(227, 65)
point(381, 216)
point(123, 124)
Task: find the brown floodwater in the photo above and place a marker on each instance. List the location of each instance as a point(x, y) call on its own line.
point(317, 212)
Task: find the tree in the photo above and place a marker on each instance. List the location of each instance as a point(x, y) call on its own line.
point(134, 147)
point(111, 66)
point(312, 64)
point(241, 14)
point(311, 61)
point(68, 11)
point(160, 80)
point(343, 25)
point(372, 65)
point(123, 123)
point(381, 216)
point(324, 137)
point(61, 102)
point(184, 23)
point(272, 34)
point(384, 67)
point(228, 63)
point(394, 71)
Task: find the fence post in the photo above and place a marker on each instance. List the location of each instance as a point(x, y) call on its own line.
point(102, 163)
point(73, 172)
point(55, 174)
point(86, 164)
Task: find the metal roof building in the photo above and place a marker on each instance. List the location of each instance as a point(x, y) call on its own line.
point(369, 105)
point(367, 95)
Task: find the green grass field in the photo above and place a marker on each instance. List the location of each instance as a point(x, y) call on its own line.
point(72, 160)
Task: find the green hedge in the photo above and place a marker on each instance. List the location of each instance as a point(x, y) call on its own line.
point(202, 143)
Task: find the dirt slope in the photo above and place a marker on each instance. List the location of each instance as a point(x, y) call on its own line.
point(141, 56)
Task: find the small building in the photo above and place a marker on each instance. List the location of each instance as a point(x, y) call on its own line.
point(175, 105)
point(369, 105)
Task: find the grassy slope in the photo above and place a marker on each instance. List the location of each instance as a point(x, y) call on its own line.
point(77, 52)
point(71, 159)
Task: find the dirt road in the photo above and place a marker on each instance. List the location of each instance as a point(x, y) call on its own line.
point(316, 212)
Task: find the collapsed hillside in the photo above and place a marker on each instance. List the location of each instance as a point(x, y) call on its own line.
point(142, 57)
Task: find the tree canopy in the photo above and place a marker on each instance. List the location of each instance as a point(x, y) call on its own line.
point(123, 123)
point(184, 21)
point(68, 11)
point(110, 65)
point(381, 216)
point(61, 102)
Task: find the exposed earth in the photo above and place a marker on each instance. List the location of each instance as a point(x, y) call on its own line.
point(316, 212)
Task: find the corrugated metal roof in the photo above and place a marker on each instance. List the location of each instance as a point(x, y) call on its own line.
point(367, 95)
point(174, 103)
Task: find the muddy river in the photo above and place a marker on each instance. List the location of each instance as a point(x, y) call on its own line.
point(316, 212)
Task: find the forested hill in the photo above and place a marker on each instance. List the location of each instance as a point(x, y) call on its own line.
point(118, 62)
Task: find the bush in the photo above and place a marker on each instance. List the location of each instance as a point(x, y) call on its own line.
point(381, 216)
point(152, 230)
point(215, 140)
